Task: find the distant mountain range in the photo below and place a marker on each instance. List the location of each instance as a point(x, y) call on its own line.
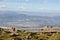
point(20, 19)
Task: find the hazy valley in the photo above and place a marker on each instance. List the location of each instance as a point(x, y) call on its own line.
point(12, 18)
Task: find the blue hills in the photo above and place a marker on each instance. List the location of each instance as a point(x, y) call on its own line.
point(24, 20)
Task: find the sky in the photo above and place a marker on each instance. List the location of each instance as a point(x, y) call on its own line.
point(31, 5)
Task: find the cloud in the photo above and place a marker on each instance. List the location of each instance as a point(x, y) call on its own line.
point(8, 8)
point(49, 9)
point(42, 1)
point(27, 0)
point(23, 8)
point(24, 1)
point(1, 0)
point(41, 9)
point(9, 5)
point(4, 7)
point(46, 1)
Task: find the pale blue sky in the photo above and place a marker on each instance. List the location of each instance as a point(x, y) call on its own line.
point(31, 5)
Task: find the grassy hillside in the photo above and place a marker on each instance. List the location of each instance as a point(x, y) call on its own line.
point(23, 35)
